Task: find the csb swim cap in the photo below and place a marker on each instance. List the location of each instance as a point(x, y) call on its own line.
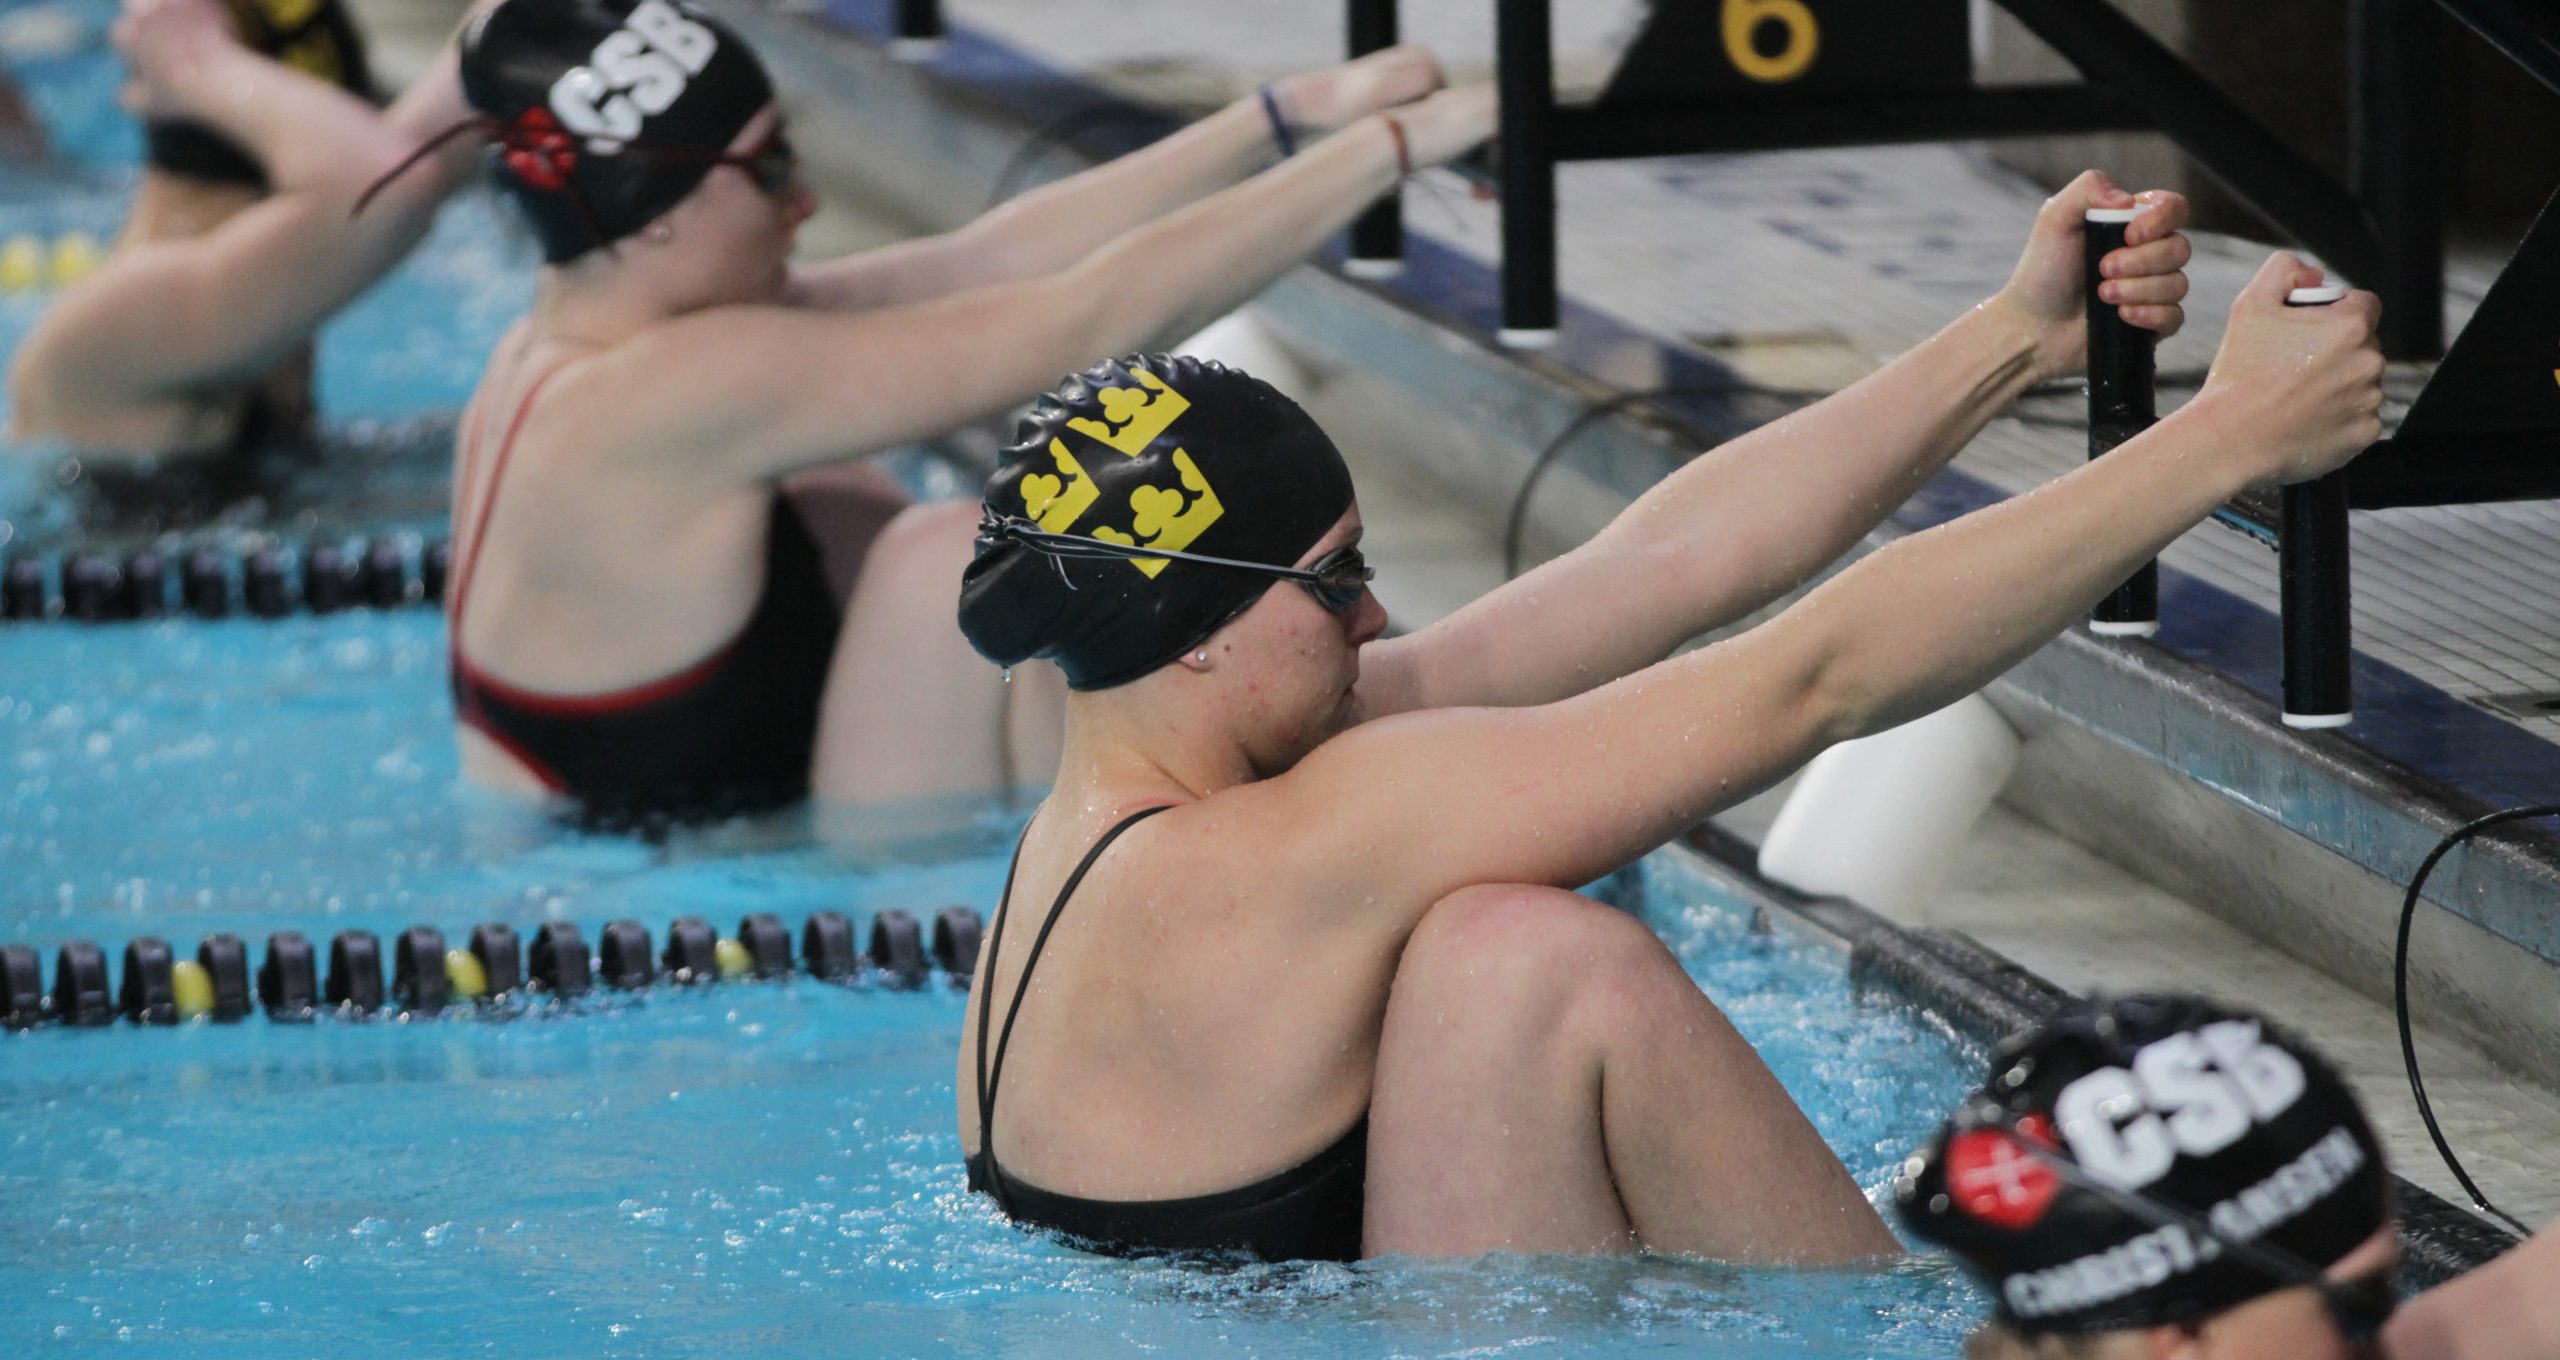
point(1156, 451)
point(2146, 1161)
point(315, 37)
point(607, 112)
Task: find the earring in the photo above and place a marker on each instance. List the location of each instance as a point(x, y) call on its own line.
point(1201, 657)
point(661, 233)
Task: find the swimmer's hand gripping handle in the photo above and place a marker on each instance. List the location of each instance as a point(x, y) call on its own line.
point(2121, 405)
point(2311, 574)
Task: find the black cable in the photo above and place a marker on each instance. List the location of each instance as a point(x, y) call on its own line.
point(1592, 414)
point(2400, 994)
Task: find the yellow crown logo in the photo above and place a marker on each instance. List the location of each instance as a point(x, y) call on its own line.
point(1140, 418)
point(1168, 519)
point(1058, 502)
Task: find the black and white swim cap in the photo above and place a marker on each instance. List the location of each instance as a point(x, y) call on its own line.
point(607, 112)
point(2180, 1127)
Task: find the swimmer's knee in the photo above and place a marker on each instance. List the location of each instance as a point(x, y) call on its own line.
point(1516, 937)
point(936, 533)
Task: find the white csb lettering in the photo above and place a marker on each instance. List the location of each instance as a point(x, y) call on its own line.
point(638, 71)
point(2177, 1074)
point(2192, 1093)
point(2270, 1077)
point(2134, 1153)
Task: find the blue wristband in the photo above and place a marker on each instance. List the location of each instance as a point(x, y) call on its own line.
point(1279, 126)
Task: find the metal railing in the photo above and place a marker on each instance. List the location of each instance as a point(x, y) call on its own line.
point(2382, 229)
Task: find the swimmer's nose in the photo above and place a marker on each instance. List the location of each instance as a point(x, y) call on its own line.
point(1368, 619)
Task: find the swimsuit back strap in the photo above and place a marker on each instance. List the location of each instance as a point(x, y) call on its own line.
point(990, 1079)
point(468, 569)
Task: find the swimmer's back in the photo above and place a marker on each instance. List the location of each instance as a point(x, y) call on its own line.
point(595, 570)
point(1186, 1031)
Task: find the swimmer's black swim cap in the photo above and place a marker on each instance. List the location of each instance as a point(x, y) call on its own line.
point(1161, 451)
point(316, 37)
point(2181, 1110)
point(609, 112)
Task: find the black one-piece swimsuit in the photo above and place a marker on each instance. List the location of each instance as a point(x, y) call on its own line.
point(1309, 1212)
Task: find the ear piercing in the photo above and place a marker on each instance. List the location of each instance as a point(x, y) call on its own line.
point(662, 233)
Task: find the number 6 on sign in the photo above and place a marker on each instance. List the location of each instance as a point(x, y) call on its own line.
point(1742, 20)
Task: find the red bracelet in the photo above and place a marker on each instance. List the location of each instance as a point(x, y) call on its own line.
point(1404, 153)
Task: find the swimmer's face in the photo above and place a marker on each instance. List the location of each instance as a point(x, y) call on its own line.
point(2289, 1324)
point(745, 229)
point(1293, 663)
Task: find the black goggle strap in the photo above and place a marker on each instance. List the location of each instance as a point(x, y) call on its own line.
point(2347, 1304)
point(486, 126)
point(513, 136)
point(1077, 546)
point(518, 138)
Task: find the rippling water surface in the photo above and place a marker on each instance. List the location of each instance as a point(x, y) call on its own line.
point(745, 1170)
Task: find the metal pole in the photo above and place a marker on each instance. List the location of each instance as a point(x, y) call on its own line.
point(1525, 72)
point(2120, 407)
point(2395, 54)
point(1377, 238)
point(920, 31)
point(2318, 634)
point(2233, 147)
point(2311, 576)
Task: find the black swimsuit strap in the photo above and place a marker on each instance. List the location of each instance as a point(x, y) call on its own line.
point(989, 1080)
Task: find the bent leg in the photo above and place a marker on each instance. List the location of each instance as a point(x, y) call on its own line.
point(846, 507)
point(912, 712)
point(1549, 1079)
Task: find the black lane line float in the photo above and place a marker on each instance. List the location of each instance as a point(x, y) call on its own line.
point(325, 577)
point(426, 978)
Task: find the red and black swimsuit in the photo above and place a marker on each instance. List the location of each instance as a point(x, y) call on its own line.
point(732, 733)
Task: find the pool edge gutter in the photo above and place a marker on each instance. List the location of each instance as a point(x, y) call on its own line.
point(1988, 997)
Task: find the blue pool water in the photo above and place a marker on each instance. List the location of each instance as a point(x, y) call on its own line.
point(743, 1171)
point(748, 1170)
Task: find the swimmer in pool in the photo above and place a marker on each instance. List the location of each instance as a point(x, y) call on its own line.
point(2165, 1178)
point(1328, 993)
point(193, 339)
point(644, 617)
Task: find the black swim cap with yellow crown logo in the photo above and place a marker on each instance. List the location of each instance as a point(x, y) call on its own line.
point(1154, 451)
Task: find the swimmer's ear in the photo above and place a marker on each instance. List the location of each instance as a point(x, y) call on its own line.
point(2176, 1341)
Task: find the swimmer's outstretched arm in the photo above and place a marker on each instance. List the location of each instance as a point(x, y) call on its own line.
point(166, 316)
point(734, 396)
point(1056, 225)
point(1562, 793)
point(2508, 1309)
point(1748, 521)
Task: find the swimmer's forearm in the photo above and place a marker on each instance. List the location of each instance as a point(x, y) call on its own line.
point(1756, 517)
point(768, 387)
point(1054, 226)
point(1183, 271)
point(1928, 620)
point(1736, 528)
point(308, 133)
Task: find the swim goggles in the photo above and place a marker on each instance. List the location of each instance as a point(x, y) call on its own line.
point(1337, 580)
point(773, 164)
point(2357, 1306)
